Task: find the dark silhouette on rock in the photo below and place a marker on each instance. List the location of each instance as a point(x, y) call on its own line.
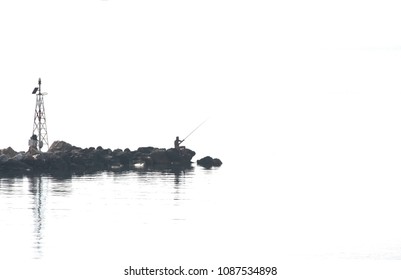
point(64, 158)
point(209, 162)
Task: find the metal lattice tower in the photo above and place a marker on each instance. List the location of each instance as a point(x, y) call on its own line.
point(39, 134)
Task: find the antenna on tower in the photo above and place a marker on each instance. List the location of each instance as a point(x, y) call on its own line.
point(39, 134)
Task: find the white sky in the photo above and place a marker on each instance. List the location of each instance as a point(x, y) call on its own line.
point(136, 73)
point(311, 89)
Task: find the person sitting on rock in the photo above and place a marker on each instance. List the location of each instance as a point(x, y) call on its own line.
point(33, 141)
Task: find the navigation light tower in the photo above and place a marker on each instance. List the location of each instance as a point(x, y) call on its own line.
point(39, 134)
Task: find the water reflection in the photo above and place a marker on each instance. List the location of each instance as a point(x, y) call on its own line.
point(158, 194)
point(38, 207)
point(178, 176)
point(47, 209)
point(178, 173)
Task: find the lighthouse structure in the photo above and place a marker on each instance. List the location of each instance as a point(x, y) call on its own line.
point(39, 134)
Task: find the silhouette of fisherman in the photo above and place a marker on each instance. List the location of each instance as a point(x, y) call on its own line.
point(177, 143)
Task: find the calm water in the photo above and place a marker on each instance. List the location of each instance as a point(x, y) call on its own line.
point(46, 217)
point(222, 216)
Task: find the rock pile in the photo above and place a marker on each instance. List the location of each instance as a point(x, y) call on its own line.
point(63, 157)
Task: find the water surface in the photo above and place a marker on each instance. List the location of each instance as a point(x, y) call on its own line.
point(236, 212)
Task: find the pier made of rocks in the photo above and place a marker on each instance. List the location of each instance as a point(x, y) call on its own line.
point(64, 158)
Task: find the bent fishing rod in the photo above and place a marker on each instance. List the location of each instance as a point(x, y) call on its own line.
point(194, 130)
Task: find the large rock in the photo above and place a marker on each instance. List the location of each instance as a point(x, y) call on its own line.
point(3, 158)
point(146, 150)
point(13, 166)
point(32, 151)
point(209, 162)
point(9, 152)
point(217, 162)
point(60, 146)
point(18, 157)
point(182, 157)
point(159, 156)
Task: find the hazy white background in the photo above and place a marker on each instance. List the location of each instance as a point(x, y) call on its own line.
point(306, 91)
point(134, 73)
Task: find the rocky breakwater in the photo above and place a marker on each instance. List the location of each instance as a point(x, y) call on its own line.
point(64, 158)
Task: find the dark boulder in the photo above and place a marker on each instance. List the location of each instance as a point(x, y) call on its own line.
point(217, 162)
point(183, 156)
point(3, 158)
point(120, 157)
point(32, 151)
point(209, 162)
point(30, 160)
point(18, 157)
point(117, 152)
point(146, 150)
point(60, 146)
point(57, 163)
point(159, 156)
point(9, 152)
point(13, 166)
point(206, 162)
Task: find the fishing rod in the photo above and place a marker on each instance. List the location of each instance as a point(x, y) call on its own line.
point(194, 130)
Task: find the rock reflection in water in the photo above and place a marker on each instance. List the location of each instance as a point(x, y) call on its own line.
point(47, 213)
